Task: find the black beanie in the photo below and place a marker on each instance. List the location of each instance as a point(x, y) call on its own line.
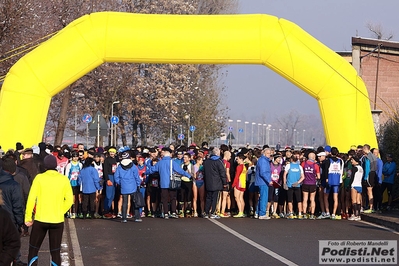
point(50, 162)
point(9, 165)
point(19, 146)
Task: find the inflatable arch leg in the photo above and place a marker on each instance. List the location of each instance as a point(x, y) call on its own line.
point(223, 39)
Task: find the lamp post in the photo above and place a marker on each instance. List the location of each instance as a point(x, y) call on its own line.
point(268, 134)
point(188, 129)
point(303, 138)
point(273, 137)
point(294, 137)
point(279, 133)
point(238, 121)
point(286, 137)
point(77, 95)
point(245, 131)
point(252, 134)
point(112, 124)
point(264, 134)
point(258, 133)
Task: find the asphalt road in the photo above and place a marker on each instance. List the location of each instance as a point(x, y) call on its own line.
point(228, 241)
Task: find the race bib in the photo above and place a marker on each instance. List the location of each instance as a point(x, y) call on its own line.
point(154, 182)
point(74, 175)
point(114, 168)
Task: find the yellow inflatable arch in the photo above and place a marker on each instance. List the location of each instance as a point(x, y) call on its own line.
point(185, 39)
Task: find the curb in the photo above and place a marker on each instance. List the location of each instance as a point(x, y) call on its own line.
point(378, 220)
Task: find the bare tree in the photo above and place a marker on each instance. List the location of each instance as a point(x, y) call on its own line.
point(378, 31)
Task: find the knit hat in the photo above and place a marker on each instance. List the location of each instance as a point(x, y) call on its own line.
point(50, 162)
point(327, 148)
point(125, 155)
point(19, 146)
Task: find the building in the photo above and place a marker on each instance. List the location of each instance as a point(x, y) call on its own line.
point(377, 62)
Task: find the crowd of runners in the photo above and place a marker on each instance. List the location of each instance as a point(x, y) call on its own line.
point(216, 182)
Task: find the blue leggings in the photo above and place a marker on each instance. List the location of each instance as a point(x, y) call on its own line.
point(109, 194)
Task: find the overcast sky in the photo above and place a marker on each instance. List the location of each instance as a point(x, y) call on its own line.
point(252, 90)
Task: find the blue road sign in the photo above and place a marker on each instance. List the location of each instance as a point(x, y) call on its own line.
point(230, 128)
point(240, 130)
point(192, 128)
point(86, 118)
point(180, 136)
point(114, 120)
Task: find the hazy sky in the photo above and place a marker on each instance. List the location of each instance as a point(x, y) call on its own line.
point(256, 91)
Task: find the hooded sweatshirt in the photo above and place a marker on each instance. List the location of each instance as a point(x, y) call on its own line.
point(127, 176)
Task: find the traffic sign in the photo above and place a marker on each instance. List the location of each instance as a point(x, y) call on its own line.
point(114, 120)
point(180, 136)
point(192, 128)
point(86, 118)
point(240, 130)
point(230, 128)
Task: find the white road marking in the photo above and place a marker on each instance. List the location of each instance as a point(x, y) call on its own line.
point(380, 226)
point(254, 244)
point(78, 261)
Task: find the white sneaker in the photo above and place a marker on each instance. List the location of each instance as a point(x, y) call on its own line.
point(264, 217)
point(256, 216)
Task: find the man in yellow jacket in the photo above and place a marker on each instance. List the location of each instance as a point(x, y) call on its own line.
point(50, 197)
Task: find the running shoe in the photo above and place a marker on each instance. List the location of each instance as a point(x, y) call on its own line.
point(142, 214)
point(281, 215)
point(264, 217)
point(224, 215)
point(119, 215)
point(181, 214)
point(73, 215)
point(290, 216)
point(124, 221)
point(214, 216)
point(80, 216)
point(205, 216)
point(312, 217)
point(139, 220)
point(129, 216)
point(352, 218)
point(369, 211)
point(300, 217)
point(174, 216)
point(97, 216)
point(275, 216)
point(195, 214)
point(239, 215)
point(107, 216)
point(358, 218)
point(149, 214)
point(166, 216)
point(256, 216)
point(338, 217)
point(333, 217)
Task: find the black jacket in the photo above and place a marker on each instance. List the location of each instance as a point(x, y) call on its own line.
point(214, 174)
point(10, 242)
point(12, 196)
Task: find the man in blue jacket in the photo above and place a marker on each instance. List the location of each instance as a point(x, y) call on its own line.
point(263, 178)
point(165, 167)
point(389, 172)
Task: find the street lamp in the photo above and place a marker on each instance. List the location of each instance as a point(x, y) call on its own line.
point(112, 124)
point(286, 137)
point(268, 134)
point(279, 133)
point(252, 134)
point(294, 136)
point(273, 137)
point(238, 121)
point(258, 133)
point(303, 138)
point(264, 133)
point(245, 131)
point(188, 129)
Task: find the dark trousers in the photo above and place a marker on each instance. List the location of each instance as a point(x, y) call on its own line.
point(89, 201)
point(211, 200)
point(125, 200)
point(39, 231)
point(168, 195)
